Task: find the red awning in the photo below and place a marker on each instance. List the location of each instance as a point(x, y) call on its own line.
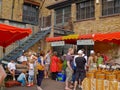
point(51, 39)
point(108, 37)
point(10, 34)
point(86, 36)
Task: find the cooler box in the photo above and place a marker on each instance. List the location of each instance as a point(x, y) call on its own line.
point(61, 77)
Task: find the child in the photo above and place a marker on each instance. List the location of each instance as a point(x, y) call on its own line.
point(31, 73)
point(22, 78)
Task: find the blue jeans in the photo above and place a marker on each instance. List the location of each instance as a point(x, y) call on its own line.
point(22, 81)
point(30, 78)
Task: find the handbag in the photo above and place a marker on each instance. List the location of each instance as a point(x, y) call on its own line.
point(39, 66)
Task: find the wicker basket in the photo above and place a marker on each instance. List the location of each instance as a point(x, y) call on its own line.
point(110, 77)
point(118, 77)
point(90, 74)
point(100, 76)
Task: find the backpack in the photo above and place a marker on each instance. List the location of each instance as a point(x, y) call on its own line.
point(39, 60)
point(64, 64)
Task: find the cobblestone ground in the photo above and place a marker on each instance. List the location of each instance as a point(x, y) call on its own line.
point(47, 84)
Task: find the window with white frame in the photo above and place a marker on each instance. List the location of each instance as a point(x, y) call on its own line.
point(85, 9)
point(110, 7)
point(62, 15)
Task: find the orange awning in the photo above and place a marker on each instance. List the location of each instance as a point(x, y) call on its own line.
point(86, 36)
point(10, 34)
point(108, 37)
point(52, 39)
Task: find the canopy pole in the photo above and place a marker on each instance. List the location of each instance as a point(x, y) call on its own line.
point(3, 51)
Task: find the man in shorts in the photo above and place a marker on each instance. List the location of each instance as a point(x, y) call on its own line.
point(69, 70)
point(47, 63)
point(80, 69)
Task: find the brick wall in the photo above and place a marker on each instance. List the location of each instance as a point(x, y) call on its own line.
point(103, 25)
point(45, 11)
point(6, 9)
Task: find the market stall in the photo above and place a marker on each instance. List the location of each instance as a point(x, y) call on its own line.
point(73, 39)
point(107, 77)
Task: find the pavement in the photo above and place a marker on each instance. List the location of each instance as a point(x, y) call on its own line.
point(47, 84)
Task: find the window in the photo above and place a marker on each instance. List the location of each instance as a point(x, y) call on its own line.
point(62, 15)
point(85, 9)
point(30, 13)
point(45, 22)
point(110, 7)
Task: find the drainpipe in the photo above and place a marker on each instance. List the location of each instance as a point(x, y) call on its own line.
point(13, 2)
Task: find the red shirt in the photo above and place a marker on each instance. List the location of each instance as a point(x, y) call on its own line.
point(54, 64)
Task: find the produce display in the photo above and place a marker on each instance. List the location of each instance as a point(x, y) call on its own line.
point(106, 77)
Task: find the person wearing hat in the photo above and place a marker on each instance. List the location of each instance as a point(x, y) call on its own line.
point(92, 61)
point(80, 69)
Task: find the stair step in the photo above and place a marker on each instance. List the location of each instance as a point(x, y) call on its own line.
point(28, 41)
point(6, 58)
point(34, 36)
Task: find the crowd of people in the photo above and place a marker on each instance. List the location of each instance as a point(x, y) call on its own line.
point(41, 65)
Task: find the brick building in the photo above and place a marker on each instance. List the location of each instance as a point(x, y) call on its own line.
point(88, 17)
point(63, 17)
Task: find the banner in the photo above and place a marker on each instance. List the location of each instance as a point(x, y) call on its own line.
point(58, 43)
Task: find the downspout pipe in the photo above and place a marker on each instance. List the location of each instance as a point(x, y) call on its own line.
point(13, 2)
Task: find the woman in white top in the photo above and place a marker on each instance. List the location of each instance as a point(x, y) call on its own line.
point(92, 65)
point(12, 67)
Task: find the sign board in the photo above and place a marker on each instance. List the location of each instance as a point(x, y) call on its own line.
point(85, 42)
point(2, 74)
point(59, 43)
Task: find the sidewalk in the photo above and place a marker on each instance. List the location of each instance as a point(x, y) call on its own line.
point(47, 84)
